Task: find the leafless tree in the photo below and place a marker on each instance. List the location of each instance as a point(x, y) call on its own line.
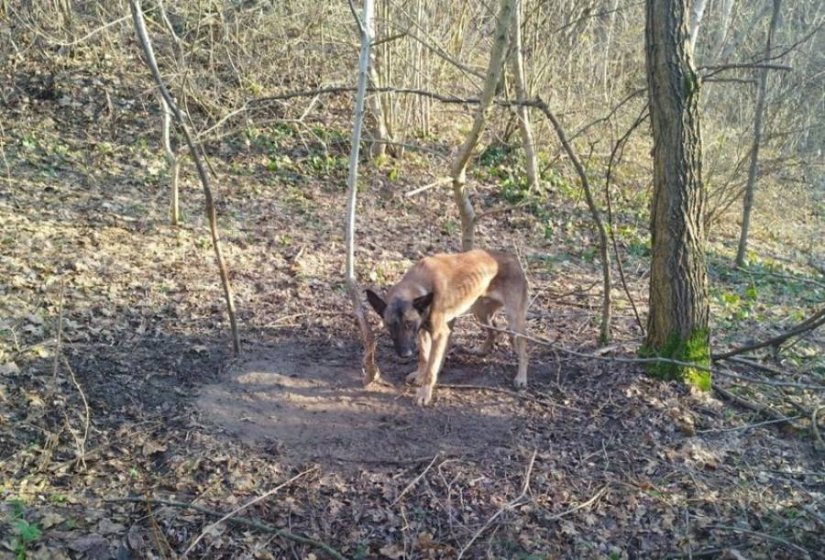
point(148, 52)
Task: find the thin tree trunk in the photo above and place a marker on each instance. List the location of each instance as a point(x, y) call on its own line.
point(146, 44)
point(459, 168)
point(523, 112)
point(679, 309)
point(743, 33)
point(697, 11)
point(724, 27)
point(601, 231)
point(611, 26)
point(370, 369)
point(172, 163)
point(380, 136)
point(750, 187)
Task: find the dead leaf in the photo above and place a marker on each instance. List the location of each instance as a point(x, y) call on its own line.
point(109, 527)
point(93, 546)
point(392, 551)
point(9, 368)
point(51, 519)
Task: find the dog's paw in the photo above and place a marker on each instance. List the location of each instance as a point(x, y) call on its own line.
point(414, 378)
point(520, 382)
point(424, 396)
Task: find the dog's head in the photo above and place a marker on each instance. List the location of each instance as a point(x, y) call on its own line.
point(403, 319)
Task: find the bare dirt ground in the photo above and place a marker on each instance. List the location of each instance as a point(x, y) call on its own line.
point(126, 427)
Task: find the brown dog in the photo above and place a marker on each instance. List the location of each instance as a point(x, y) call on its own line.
point(436, 290)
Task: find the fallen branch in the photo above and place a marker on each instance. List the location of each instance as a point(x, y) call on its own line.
point(746, 379)
point(493, 211)
point(765, 536)
point(757, 365)
point(509, 392)
point(512, 504)
point(436, 183)
point(582, 505)
point(551, 344)
point(245, 521)
point(813, 322)
point(241, 508)
point(756, 407)
point(747, 426)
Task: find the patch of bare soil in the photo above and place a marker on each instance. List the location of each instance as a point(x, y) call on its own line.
point(313, 408)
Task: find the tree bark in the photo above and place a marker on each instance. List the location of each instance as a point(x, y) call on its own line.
point(459, 168)
point(679, 309)
point(369, 368)
point(753, 170)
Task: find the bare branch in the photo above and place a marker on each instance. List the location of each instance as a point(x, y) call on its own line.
point(149, 54)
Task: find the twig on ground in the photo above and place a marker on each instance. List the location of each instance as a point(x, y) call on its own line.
point(773, 538)
point(436, 183)
point(757, 365)
point(746, 379)
point(58, 341)
point(243, 507)
point(760, 408)
point(253, 523)
point(498, 210)
point(512, 504)
point(414, 481)
point(81, 442)
point(582, 505)
point(509, 392)
point(551, 344)
point(748, 426)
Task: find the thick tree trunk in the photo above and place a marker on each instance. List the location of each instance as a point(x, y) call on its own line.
point(753, 170)
point(678, 320)
point(459, 168)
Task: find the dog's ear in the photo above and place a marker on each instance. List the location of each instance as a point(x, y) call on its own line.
point(376, 302)
point(422, 303)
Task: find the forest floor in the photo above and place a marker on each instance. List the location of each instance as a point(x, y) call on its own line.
point(127, 427)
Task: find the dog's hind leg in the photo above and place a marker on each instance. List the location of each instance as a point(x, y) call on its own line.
point(424, 344)
point(517, 322)
point(484, 309)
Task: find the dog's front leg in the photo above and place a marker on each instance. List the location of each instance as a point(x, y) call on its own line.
point(424, 343)
point(437, 350)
